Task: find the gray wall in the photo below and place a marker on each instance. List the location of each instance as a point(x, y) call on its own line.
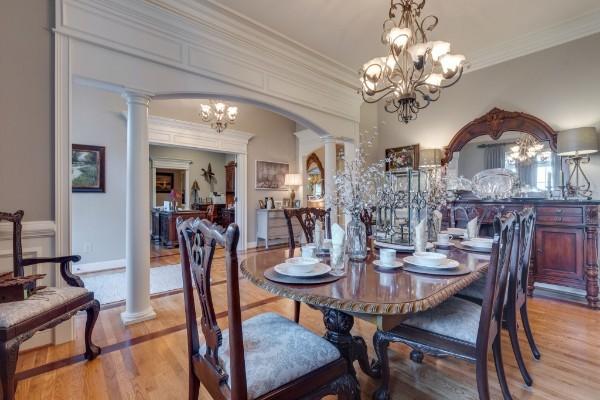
point(98, 219)
point(26, 108)
point(559, 85)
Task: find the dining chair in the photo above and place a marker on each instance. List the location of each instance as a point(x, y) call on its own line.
point(516, 299)
point(461, 215)
point(458, 327)
point(264, 357)
point(307, 218)
point(48, 307)
point(211, 214)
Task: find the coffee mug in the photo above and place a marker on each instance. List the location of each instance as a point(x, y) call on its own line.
point(444, 238)
point(309, 250)
point(387, 256)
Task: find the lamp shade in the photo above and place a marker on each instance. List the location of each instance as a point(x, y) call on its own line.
point(430, 158)
point(293, 180)
point(577, 141)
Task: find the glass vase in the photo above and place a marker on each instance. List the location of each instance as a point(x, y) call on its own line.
point(356, 239)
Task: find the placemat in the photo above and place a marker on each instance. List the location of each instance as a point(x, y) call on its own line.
point(274, 276)
point(461, 270)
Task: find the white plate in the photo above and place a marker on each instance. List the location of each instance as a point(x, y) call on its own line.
point(475, 244)
point(397, 264)
point(456, 232)
point(290, 270)
point(448, 264)
point(400, 247)
point(438, 244)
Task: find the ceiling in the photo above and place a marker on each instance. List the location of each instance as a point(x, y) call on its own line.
point(349, 31)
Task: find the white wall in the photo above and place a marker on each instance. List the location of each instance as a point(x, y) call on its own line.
point(559, 85)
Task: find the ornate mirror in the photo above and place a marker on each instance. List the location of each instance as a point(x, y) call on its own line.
point(316, 174)
point(514, 141)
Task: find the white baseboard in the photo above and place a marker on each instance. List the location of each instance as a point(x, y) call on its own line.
point(98, 266)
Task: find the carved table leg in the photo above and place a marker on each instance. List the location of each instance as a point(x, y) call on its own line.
point(381, 342)
point(91, 350)
point(591, 268)
point(352, 348)
point(9, 353)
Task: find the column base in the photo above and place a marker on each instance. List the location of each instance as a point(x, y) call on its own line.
point(133, 318)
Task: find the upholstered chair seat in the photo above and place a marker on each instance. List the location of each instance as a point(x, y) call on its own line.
point(474, 290)
point(45, 300)
point(277, 351)
point(455, 318)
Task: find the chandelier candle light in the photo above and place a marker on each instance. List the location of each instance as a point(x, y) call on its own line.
point(525, 150)
point(220, 115)
point(415, 70)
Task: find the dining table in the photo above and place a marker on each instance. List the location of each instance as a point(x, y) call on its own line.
point(384, 297)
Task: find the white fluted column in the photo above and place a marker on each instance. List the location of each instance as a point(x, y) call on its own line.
point(330, 171)
point(137, 222)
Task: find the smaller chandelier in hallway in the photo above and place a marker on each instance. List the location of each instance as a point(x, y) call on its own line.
point(220, 115)
point(415, 70)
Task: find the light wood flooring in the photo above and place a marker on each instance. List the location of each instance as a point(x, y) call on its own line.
point(149, 361)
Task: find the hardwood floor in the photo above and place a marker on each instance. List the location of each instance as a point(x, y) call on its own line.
point(148, 360)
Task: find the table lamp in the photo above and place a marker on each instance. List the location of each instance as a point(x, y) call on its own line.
point(292, 180)
point(577, 145)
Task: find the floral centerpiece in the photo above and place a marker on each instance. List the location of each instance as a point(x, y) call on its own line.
point(355, 191)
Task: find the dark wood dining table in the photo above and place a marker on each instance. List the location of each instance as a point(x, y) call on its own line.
point(382, 297)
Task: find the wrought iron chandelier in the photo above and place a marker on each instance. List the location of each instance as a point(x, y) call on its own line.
point(415, 70)
point(220, 115)
point(525, 150)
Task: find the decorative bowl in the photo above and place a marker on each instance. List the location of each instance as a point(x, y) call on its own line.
point(429, 258)
point(302, 264)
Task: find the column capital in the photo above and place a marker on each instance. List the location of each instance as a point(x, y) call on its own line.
point(329, 139)
point(137, 96)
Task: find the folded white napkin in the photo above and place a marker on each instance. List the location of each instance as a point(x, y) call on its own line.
point(437, 222)
point(472, 229)
point(420, 237)
point(318, 235)
point(338, 234)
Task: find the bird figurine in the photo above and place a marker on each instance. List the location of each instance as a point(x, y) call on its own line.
point(208, 174)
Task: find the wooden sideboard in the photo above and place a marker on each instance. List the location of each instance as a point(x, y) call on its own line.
point(271, 226)
point(565, 249)
point(167, 225)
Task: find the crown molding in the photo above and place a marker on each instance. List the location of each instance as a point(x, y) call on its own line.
point(564, 32)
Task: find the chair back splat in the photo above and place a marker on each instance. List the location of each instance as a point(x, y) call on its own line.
point(307, 218)
point(198, 239)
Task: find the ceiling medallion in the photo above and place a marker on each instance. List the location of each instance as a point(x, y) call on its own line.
point(526, 150)
point(415, 70)
point(220, 115)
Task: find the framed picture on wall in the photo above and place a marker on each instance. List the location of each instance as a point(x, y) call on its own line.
point(402, 157)
point(271, 175)
point(165, 182)
point(87, 168)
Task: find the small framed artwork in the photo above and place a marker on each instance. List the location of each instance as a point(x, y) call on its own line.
point(164, 182)
point(271, 175)
point(278, 204)
point(261, 204)
point(402, 157)
point(87, 169)
point(287, 203)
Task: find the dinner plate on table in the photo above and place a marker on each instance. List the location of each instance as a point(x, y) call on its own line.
point(455, 232)
point(460, 270)
point(470, 246)
point(447, 264)
point(290, 270)
point(400, 247)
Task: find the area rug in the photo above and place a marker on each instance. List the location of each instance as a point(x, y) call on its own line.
point(109, 287)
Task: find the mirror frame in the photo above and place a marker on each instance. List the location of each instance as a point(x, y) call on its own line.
point(314, 158)
point(494, 124)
